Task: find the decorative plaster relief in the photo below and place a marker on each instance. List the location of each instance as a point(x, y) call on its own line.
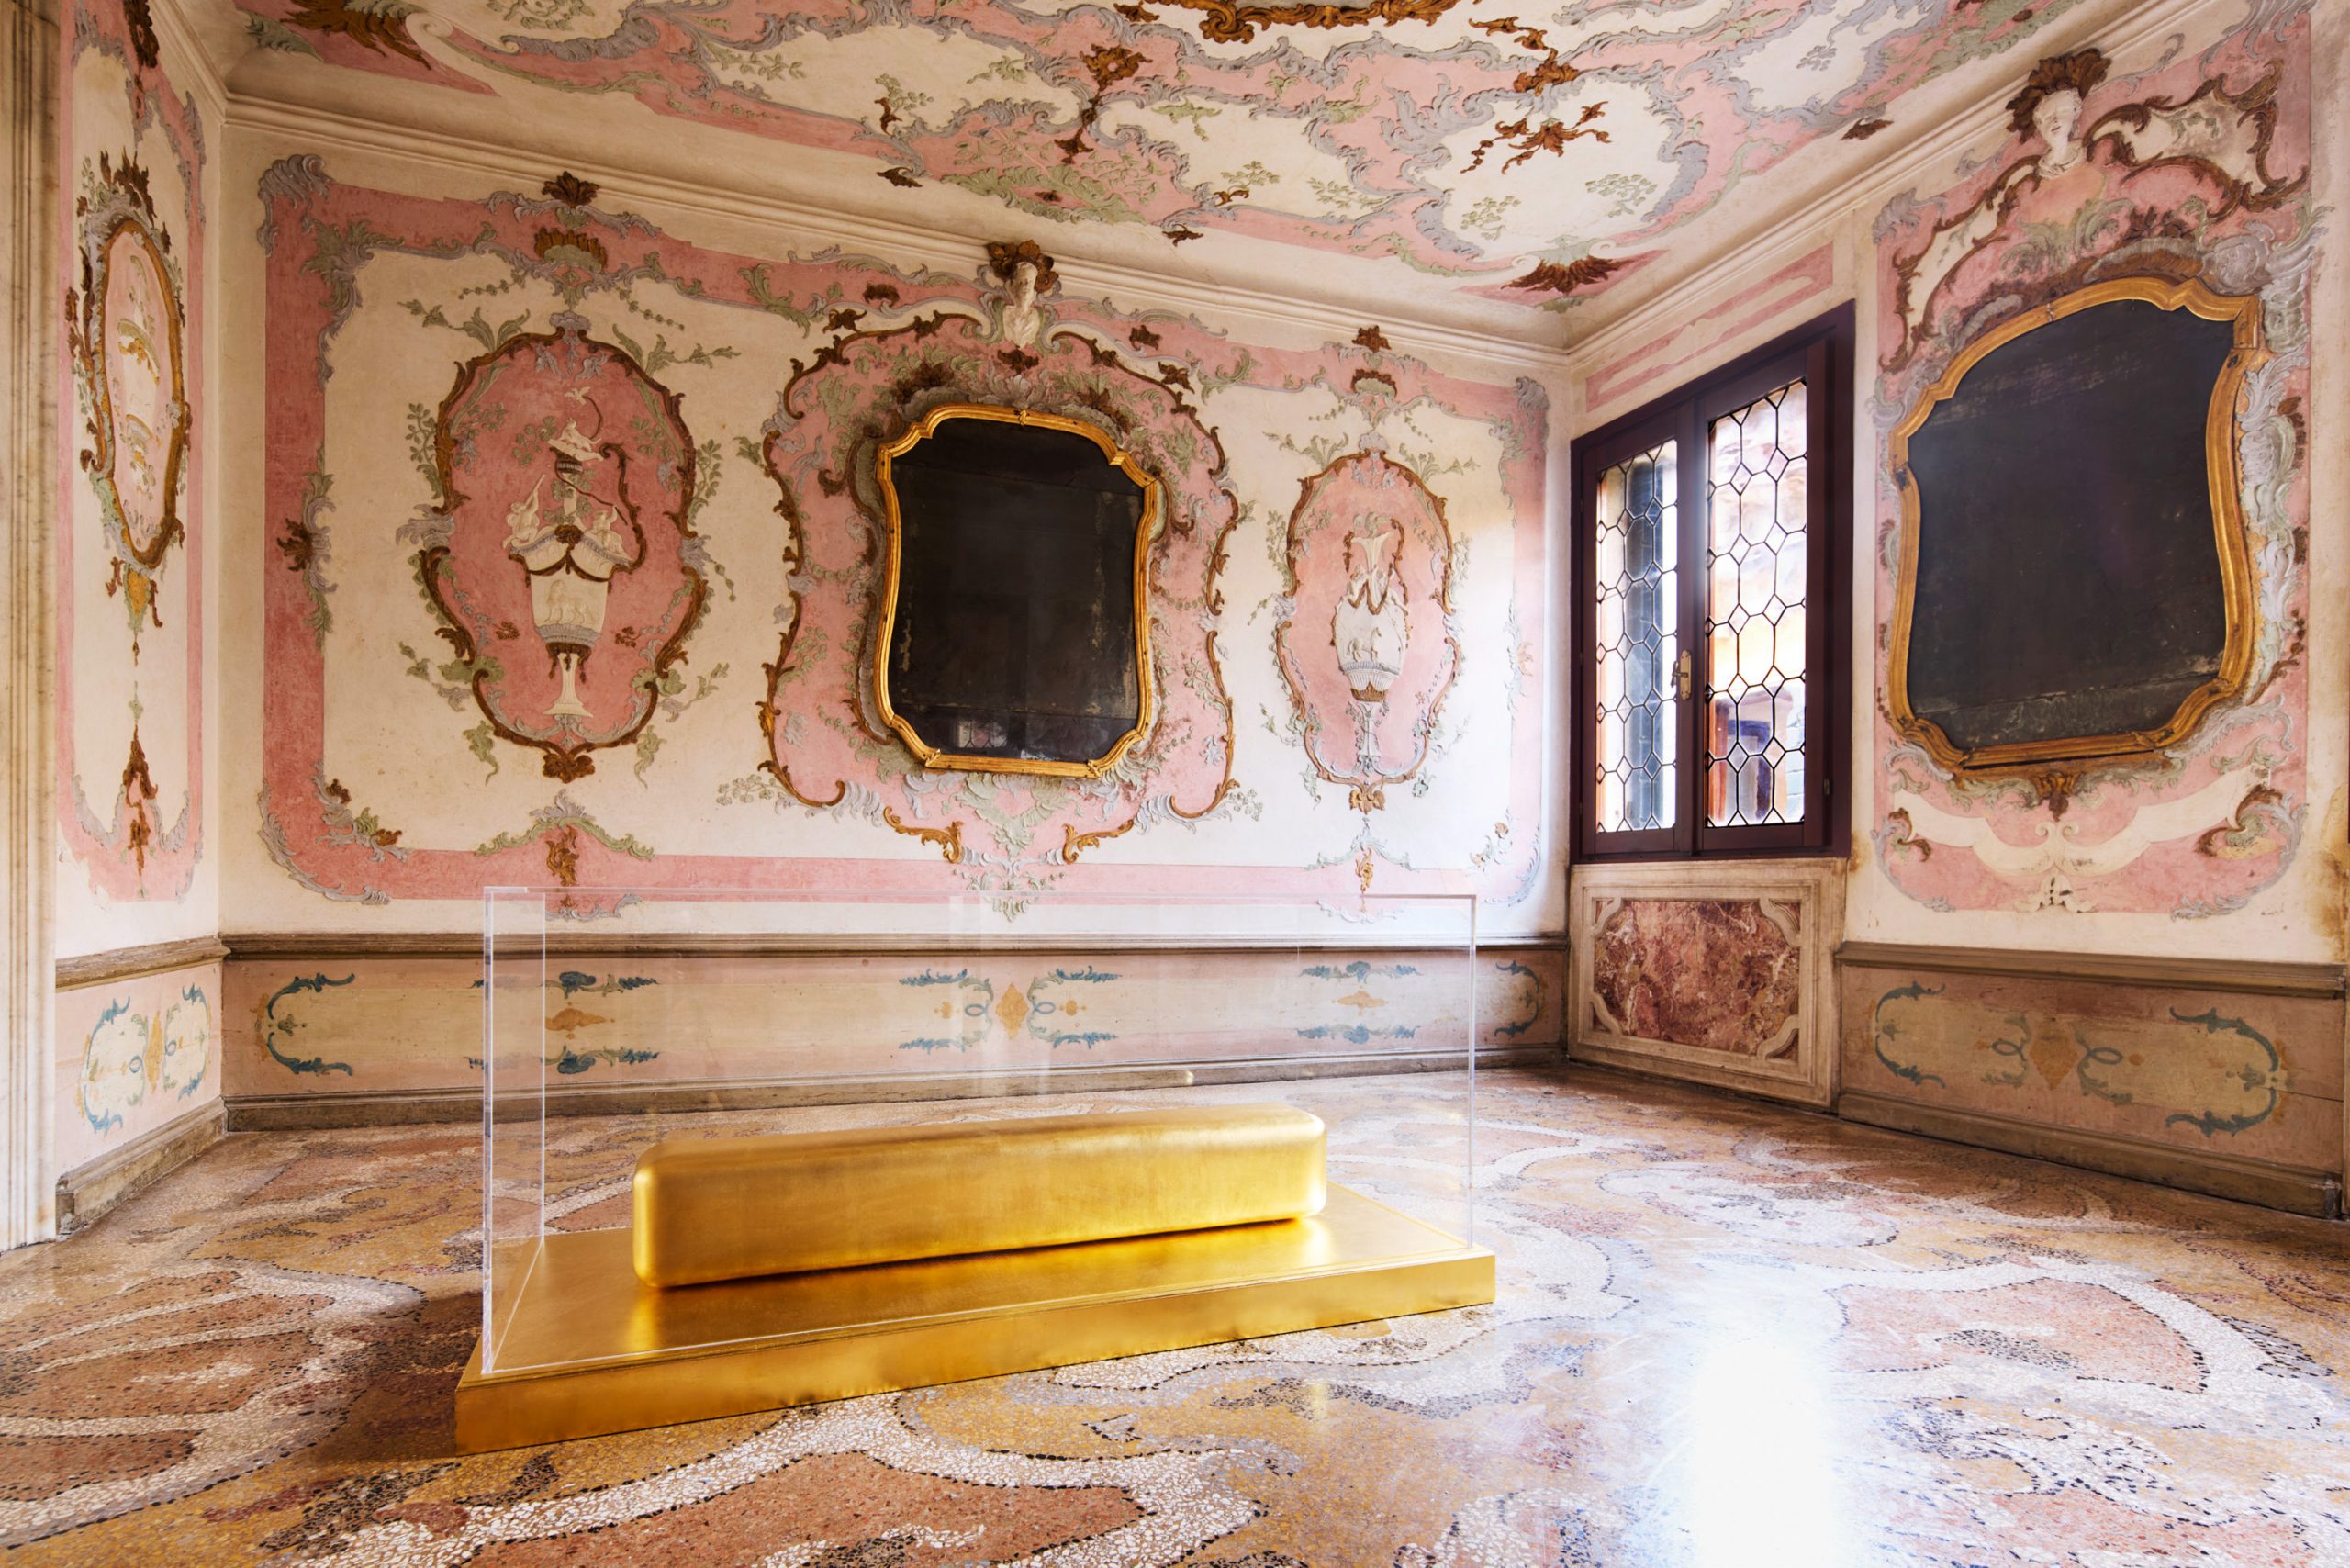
point(1717, 973)
point(865, 389)
point(130, 347)
point(2196, 169)
point(562, 559)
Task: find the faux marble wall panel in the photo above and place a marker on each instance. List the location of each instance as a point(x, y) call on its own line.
point(132, 1056)
point(2253, 1076)
point(1719, 975)
point(373, 1024)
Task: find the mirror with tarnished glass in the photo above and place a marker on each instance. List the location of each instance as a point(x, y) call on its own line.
point(1014, 631)
point(2075, 579)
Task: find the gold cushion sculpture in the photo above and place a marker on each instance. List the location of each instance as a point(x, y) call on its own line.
point(733, 1208)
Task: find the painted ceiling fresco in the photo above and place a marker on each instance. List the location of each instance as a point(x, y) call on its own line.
point(1522, 150)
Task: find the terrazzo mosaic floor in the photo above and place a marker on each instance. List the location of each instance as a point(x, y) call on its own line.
point(1728, 1335)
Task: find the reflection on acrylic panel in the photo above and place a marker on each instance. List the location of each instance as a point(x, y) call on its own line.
point(1754, 612)
point(1636, 607)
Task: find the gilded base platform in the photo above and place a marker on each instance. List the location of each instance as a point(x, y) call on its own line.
point(635, 1356)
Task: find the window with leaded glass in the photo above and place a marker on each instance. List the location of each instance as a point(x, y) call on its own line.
point(1709, 582)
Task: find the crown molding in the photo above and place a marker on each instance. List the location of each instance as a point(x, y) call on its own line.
point(186, 42)
point(906, 243)
point(1810, 218)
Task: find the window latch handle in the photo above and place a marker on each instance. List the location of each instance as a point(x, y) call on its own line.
point(1681, 674)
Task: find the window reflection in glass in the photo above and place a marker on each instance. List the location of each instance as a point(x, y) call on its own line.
point(1755, 548)
point(1635, 608)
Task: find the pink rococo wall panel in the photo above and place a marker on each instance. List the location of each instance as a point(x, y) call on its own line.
point(467, 395)
point(2196, 169)
point(131, 551)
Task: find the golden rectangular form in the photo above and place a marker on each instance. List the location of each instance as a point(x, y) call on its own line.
point(713, 1209)
point(591, 1348)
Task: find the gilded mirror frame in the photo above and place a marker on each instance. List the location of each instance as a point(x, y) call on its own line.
point(2231, 538)
point(885, 631)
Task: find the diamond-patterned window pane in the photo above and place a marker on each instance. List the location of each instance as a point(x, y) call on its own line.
point(1636, 609)
point(1755, 545)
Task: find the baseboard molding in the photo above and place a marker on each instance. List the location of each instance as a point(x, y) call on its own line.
point(2244, 976)
point(130, 963)
point(1790, 1087)
point(2290, 1188)
point(289, 1113)
point(89, 1191)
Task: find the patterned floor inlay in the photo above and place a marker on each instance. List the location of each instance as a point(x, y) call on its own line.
point(1728, 1335)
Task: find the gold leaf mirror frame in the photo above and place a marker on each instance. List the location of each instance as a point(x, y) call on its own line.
point(2231, 538)
point(885, 632)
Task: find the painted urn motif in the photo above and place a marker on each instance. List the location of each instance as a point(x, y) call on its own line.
point(1370, 560)
point(1370, 627)
point(568, 536)
point(563, 562)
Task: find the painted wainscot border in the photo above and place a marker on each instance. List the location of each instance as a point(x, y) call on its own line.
point(320, 1032)
point(2222, 1077)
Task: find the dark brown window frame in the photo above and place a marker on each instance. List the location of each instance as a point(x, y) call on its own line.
point(1819, 352)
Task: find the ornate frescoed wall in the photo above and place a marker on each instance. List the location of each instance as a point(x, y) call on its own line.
point(2196, 168)
point(130, 553)
point(625, 481)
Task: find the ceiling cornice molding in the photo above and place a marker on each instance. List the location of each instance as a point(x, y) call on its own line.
point(904, 244)
point(211, 86)
point(1810, 219)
